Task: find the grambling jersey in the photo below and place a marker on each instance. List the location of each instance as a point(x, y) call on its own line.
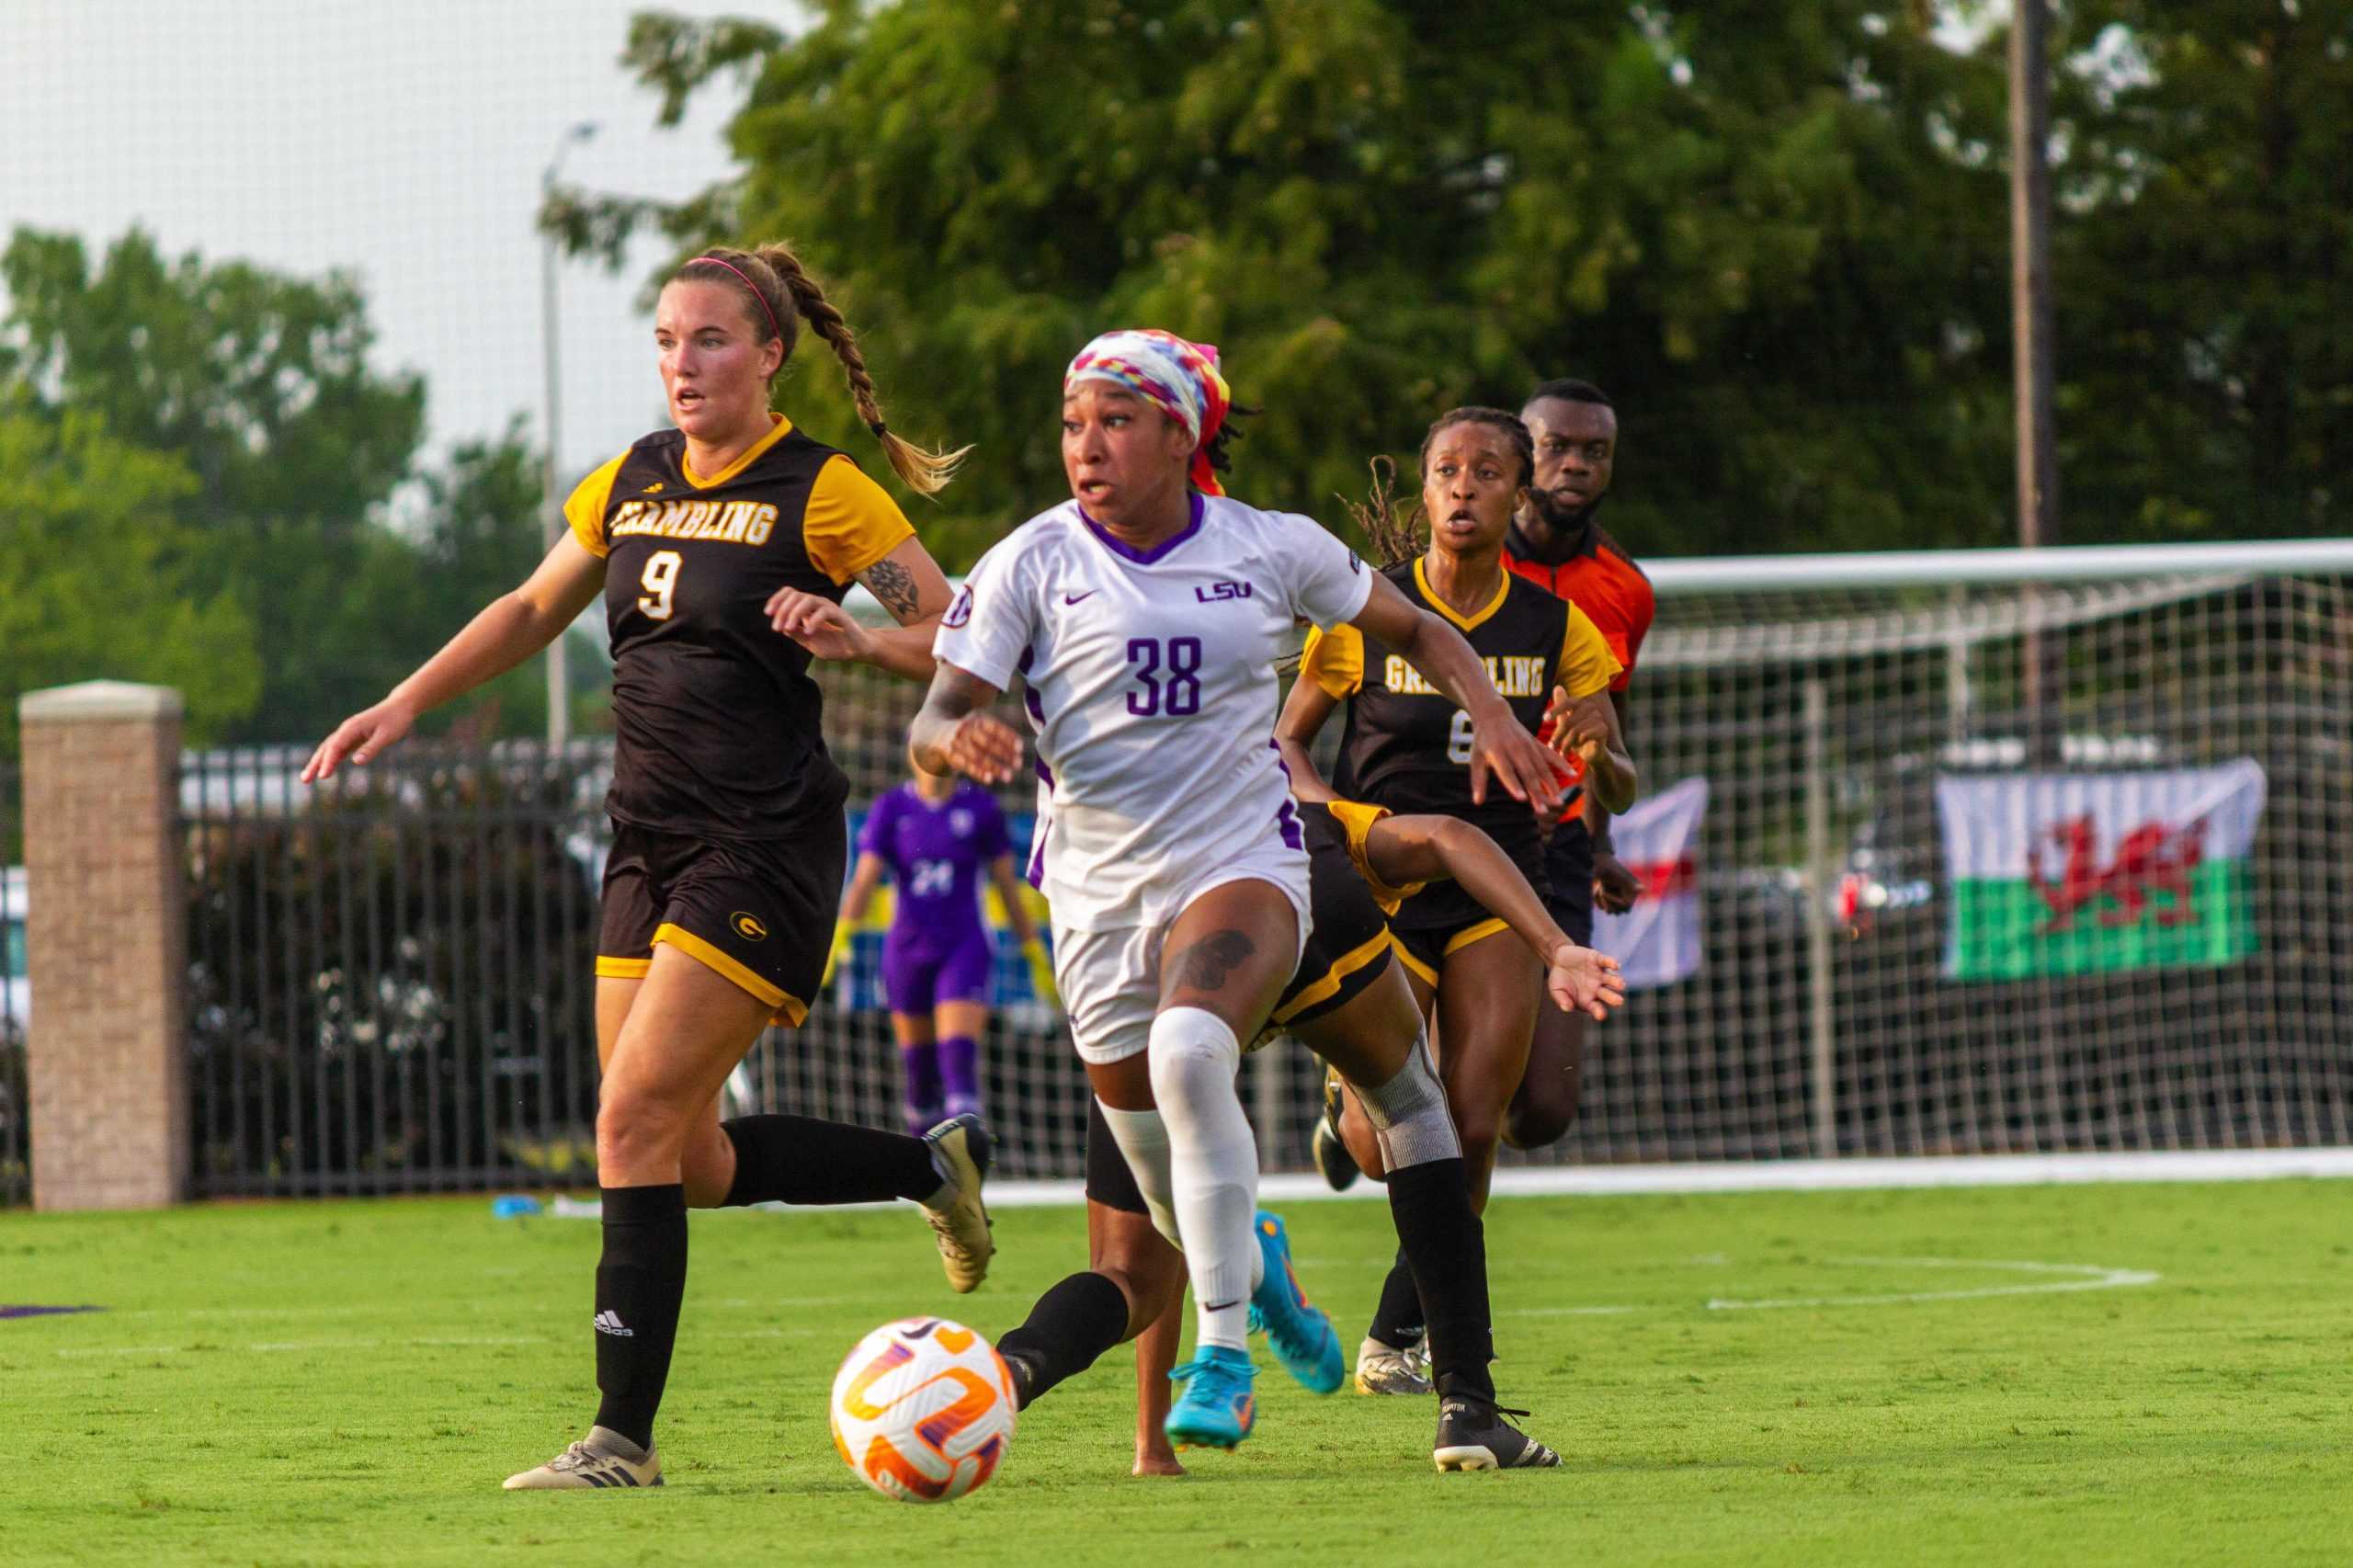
point(717, 718)
point(1151, 685)
point(1602, 580)
point(1406, 746)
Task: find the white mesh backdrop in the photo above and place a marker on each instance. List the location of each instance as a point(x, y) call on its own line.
point(1827, 1012)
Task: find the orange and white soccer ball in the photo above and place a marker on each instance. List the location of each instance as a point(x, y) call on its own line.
point(923, 1409)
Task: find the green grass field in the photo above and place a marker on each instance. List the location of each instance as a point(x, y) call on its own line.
point(348, 1382)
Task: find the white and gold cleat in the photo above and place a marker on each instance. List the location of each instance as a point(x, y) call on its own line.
point(604, 1460)
point(1383, 1369)
point(960, 1151)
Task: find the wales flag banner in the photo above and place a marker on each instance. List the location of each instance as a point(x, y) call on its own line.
point(2081, 873)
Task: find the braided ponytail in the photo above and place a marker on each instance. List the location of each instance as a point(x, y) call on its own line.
point(784, 295)
point(1394, 538)
point(926, 472)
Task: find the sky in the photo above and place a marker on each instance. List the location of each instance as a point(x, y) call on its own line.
point(402, 141)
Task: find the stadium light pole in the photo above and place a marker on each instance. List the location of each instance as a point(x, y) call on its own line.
point(2032, 375)
point(551, 508)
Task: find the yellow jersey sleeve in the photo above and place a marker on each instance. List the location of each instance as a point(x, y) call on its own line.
point(1356, 819)
point(1586, 663)
point(1334, 660)
point(586, 508)
point(851, 522)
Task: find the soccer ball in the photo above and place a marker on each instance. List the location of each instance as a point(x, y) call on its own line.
point(923, 1409)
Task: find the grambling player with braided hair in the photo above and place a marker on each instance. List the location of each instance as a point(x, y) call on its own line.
point(1404, 750)
point(723, 547)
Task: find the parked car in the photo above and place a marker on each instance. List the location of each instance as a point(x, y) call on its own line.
point(16, 989)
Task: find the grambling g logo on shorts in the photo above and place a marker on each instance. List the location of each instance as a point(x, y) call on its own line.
point(747, 926)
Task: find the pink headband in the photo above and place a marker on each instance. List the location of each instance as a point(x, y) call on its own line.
point(763, 299)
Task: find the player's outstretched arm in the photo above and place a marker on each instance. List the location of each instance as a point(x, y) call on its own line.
point(509, 630)
point(907, 582)
point(1403, 850)
point(1499, 743)
point(1302, 717)
point(954, 734)
point(1615, 888)
point(1008, 891)
point(1587, 728)
point(860, 892)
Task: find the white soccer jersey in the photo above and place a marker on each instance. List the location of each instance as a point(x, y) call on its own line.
point(1151, 685)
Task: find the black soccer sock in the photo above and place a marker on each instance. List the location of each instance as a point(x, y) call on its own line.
point(799, 1159)
point(1397, 1321)
point(1447, 1246)
point(640, 1281)
point(1071, 1326)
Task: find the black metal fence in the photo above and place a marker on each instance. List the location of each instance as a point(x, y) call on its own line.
point(389, 984)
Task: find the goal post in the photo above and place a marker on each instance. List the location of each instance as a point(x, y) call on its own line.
point(1896, 908)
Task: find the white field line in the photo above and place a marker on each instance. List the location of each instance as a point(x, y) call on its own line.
point(1770, 1176)
point(2078, 1277)
point(2074, 1276)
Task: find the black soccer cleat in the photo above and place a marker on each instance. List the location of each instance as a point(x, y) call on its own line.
point(1474, 1434)
point(1332, 1157)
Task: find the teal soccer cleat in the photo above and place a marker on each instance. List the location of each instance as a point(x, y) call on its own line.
point(1217, 1409)
point(1297, 1328)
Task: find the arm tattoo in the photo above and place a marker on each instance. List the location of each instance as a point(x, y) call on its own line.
point(1204, 965)
point(894, 586)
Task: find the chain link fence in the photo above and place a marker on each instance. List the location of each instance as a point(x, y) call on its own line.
point(391, 977)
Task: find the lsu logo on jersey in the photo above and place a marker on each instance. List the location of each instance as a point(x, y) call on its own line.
point(1217, 592)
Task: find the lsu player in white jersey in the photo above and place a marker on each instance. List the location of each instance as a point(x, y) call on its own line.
point(1147, 614)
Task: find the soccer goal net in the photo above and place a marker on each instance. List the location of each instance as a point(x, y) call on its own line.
point(1944, 853)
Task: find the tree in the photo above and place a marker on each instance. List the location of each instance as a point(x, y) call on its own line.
point(1743, 221)
point(259, 385)
point(93, 585)
point(2200, 256)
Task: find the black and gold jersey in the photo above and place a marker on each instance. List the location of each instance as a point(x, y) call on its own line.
point(1407, 747)
point(718, 721)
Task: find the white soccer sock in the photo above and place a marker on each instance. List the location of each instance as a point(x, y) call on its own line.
point(1143, 1139)
point(1213, 1160)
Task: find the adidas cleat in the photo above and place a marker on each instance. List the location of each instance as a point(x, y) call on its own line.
point(1337, 1166)
point(604, 1460)
point(960, 1151)
point(1474, 1434)
point(1299, 1331)
point(1216, 1408)
point(1384, 1369)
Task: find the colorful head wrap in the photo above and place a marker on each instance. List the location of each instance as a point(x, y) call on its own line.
point(1179, 379)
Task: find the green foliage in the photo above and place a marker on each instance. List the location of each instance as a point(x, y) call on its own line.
point(1778, 234)
point(1740, 220)
point(290, 452)
point(2205, 225)
point(99, 581)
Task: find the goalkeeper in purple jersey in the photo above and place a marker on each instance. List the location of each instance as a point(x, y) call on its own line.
point(935, 836)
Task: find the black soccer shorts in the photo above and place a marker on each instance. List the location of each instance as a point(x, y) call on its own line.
point(759, 911)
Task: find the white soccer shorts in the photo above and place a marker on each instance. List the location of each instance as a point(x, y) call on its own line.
point(1110, 980)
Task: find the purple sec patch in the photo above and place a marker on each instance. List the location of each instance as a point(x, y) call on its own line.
point(23, 1312)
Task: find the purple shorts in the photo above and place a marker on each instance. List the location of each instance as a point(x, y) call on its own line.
point(917, 977)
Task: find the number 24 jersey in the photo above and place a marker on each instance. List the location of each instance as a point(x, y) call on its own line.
point(1151, 685)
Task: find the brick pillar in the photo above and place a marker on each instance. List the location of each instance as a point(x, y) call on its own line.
point(106, 1056)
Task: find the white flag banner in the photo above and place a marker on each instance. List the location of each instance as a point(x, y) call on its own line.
point(1657, 941)
point(2085, 873)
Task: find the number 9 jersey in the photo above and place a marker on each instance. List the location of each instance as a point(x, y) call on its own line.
point(1151, 685)
point(717, 720)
